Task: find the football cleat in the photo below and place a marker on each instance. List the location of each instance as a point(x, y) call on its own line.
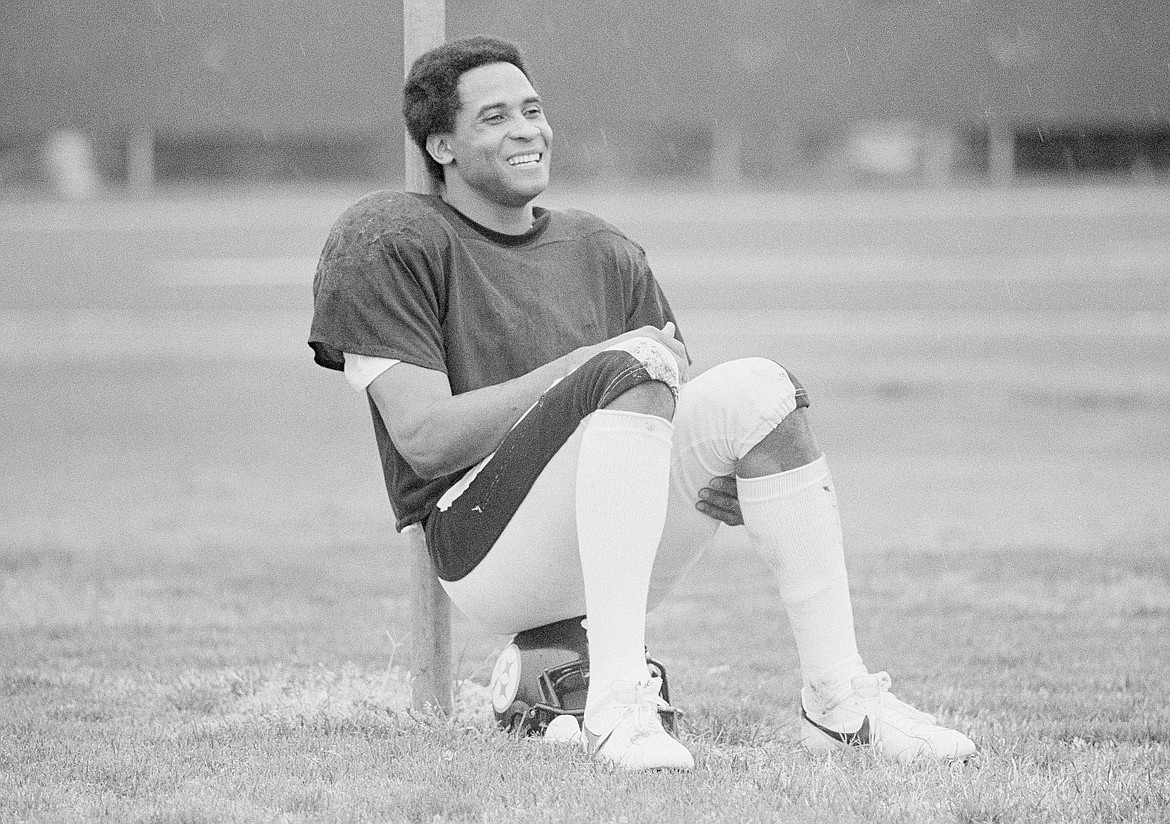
point(626, 730)
point(871, 716)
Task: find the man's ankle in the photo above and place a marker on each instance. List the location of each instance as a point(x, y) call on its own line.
point(825, 688)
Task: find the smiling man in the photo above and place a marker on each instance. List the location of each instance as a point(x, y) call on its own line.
point(533, 413)
point(497, 148)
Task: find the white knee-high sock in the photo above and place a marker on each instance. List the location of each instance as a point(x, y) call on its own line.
point(793, 523)
point(622, 480)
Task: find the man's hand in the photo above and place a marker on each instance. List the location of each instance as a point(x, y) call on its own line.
point(665, 336)
point(720, 500)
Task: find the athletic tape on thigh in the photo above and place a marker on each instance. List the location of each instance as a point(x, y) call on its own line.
point(657, 360)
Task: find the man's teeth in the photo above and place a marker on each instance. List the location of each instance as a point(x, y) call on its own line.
point(524, 158)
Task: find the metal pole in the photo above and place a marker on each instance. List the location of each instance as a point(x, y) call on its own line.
point(432, 686)
point(424, 28)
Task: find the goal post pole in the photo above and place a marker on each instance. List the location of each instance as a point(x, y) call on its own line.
point(423, 28)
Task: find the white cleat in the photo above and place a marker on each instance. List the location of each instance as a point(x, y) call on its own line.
point(626, 730)
point(871, 716)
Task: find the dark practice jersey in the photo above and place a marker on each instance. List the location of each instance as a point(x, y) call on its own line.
point(405, 276)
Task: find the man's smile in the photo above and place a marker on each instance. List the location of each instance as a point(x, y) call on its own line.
point(526, 159)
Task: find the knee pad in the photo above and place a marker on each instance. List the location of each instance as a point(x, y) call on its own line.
point(751, 380)
point(738, 402)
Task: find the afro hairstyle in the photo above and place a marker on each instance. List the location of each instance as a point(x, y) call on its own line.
point(430, 99)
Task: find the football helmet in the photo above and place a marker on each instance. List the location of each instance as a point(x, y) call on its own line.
point(544, 672)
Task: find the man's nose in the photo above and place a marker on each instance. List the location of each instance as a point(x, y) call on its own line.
point(525, 130)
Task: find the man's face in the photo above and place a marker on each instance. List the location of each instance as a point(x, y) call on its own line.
point(500, 145)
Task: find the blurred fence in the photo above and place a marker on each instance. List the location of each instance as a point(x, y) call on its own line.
point(744, 92)
point(74, 164)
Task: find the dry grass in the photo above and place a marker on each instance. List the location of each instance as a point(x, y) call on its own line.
point(133, 692)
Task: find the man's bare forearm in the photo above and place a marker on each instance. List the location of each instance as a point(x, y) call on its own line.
point(457, 432)
point(439, 433)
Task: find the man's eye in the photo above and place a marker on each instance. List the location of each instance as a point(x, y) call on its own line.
point(533, 111)
point(494, 118)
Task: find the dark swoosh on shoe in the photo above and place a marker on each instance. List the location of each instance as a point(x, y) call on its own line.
point(860, 738)
point(596, 742)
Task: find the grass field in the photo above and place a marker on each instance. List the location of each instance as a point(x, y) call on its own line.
point(202, 612)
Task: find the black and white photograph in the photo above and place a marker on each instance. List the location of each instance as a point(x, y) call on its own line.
point(495, 412)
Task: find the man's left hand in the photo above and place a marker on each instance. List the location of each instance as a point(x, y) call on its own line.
point(720, 500)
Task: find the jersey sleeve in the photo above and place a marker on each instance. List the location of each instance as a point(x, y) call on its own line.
point(378, 292)
point(648, 303)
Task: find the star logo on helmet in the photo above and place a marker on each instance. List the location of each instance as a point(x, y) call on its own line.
point(505, 678)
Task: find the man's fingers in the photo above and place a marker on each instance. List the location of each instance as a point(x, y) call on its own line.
point(723, 483)
point(729, 516)
point(664, 336)
point(721, 502)
point(676, 346)
point(719, 499)
point(716, 497)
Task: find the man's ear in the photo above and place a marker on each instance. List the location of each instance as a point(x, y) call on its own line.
point(439, 148)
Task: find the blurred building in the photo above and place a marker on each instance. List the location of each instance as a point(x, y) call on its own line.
point(736, 91)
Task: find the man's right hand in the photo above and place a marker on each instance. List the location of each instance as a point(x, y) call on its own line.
point(665, 336)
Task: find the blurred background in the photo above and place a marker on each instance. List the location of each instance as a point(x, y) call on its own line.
point(136, 93)
point(950, 218)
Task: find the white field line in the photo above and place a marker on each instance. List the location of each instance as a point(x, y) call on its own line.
point(756, 268)
point(236, 271)
point(51, 218)
point(233, 335)
point(1152, 261)
point(1017, 324)
point(315, 211)
point(868, 207)
point(135, 336)
point(864, 266)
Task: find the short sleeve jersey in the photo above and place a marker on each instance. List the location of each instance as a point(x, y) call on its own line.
point(405, 276)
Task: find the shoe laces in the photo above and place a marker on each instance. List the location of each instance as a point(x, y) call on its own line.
point(876, 688)
point(642, 701)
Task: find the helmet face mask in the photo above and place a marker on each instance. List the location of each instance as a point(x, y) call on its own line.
point(564, 688)
point(544, 673)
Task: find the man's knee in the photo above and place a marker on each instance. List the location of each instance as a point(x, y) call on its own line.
point(790, 445)
point(735, 405)
point(751, 383)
